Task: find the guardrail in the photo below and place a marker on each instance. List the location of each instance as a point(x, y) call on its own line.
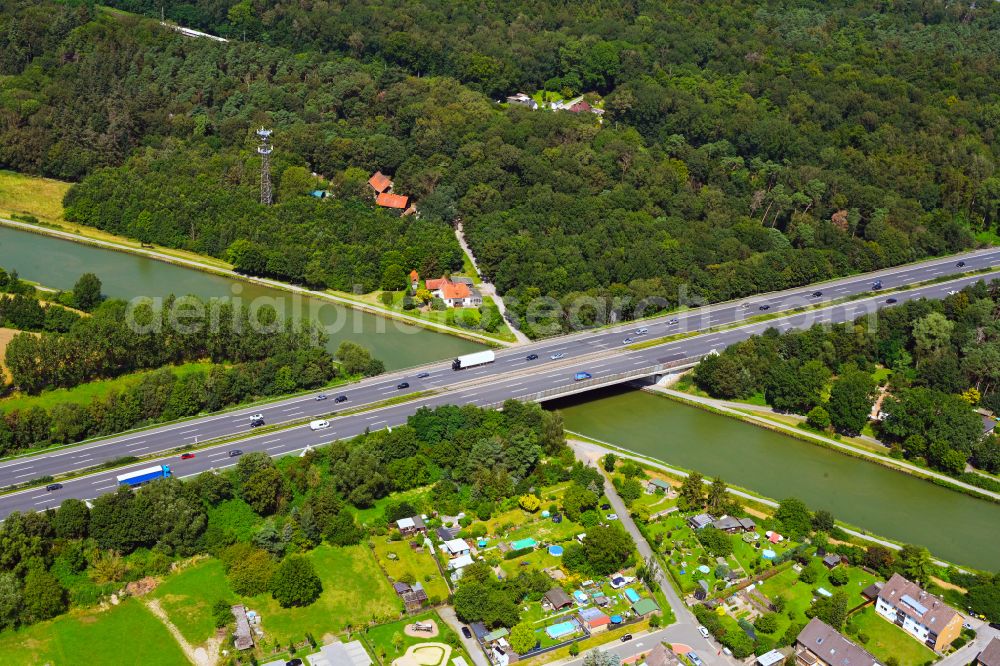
point(598, 382)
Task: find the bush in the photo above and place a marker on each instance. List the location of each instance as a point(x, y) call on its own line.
point(295, 583)
point(809, 574)
point(221, 613)
point(818, 418)
point(767, 623)
point(839, 576)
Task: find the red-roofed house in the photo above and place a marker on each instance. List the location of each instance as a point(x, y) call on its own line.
point(396, 201)
point(580, 107)
point(380, 182)
point(414, 279)
point(435, 284)
point(455, 294)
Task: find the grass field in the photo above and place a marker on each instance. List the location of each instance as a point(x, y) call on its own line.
point(354, 592)
point(29, 195)
point(418, 497)
point(887, 640)
point(419, 565)
point(85, 394)
point(6, 334)
point(125, 634)
point(187, 597)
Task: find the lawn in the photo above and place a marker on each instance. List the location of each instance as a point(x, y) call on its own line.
point(30, 195)
point(887, 640)
point(389, 641)
point(85, 394)
point(354, 592)
point(125, 634)
point(187, 598)
point(419, 565)
point(415, 496)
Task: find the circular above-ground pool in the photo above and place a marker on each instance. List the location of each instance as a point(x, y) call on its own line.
point(555, 551)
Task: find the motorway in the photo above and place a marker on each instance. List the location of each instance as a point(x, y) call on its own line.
point(599, 352)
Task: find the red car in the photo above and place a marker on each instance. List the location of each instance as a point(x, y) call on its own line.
point(187, 456)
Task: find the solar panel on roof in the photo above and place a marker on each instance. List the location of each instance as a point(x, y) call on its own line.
point(914, 604)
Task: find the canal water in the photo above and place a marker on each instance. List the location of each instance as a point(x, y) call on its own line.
point(955, 527)
point(58, 263)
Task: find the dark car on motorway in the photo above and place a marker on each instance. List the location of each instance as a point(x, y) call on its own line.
point(466, 632)
point(532, 357)
point(877, 284)
point(423, 375)
point(340, 398)
point(764, 307)
point(53, 486)
point(235, 452)
point(187, 456)
point(626, 637)
point(890, 301)
point(961, 264)
point(817, 294)
point(403, 385)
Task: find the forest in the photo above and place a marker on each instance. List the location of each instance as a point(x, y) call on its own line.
point(744, 148)
point(477, 460)
point(942, 358)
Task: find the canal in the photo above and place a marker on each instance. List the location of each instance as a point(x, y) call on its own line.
point(58, 263)
point(955, 527)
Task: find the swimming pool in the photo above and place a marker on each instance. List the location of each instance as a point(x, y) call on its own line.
point(521, 544)
point(561, 629)
point(631, 594)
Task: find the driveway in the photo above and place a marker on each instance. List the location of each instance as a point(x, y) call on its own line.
point(685, 629)
point(447, 614)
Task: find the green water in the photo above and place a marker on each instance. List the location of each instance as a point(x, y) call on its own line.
point(57, 263)
point(955, 527)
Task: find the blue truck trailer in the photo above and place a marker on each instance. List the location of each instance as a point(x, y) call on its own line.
point(142, 476)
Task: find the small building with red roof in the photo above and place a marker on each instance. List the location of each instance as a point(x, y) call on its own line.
point(457, 293)
point(380, 182)
point(394, 201)
point(414, 279)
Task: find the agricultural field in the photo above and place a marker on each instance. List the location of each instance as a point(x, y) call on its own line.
point(124, 634)
point(42, 198)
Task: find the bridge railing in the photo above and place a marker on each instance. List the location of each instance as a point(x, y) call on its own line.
point(595, 382)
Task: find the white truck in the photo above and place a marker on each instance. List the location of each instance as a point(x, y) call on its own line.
point(472, 360)
point(321, 424)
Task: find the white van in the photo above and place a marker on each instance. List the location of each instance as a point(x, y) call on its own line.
point(319, 425)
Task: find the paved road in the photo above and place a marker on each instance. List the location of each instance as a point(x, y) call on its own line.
point(600, 353)
point(685, 629)
point(471, 645)
point(964, 656)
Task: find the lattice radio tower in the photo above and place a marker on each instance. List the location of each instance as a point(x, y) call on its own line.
point(265, 149)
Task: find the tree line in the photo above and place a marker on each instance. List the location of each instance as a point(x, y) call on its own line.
point(263, 516)
point(729, 161)
point(942, 357)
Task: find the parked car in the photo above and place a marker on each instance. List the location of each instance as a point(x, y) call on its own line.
point(340, 398)
point(703, 631)
point(961, 264)
point(294, 662)
point(580, 376)
point(890, 301)
point(53, 486)
point(817, 294)
point(764, 307)
point(694, 659)
point(403, 385)
point(321, 396)
point(627, 341)
point(605, 506)
point(626, 637)
point(612, 516)
point(532, 357)
point(423, 375)
point(321, 424)
point(187, 456)
point(641, 331)
point(235, 453)
point(466, 632)
point(556, 357)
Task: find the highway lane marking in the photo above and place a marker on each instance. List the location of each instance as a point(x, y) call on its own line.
point(37, 496)
point(141, 448)
point(106, 487)
point(294, 413)
point(99, 481)
point(292, 409)
point(272, 448)
point(24, 475)
point(84, 460)
point(271, 441)
point(515, 385)
point(42, 502)
point(377, 422)
point(184, 432)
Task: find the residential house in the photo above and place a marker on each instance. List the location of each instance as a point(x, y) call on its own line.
point(411, 525)
point(732, 524)
point(922, 615)
point(700, 521)
point(989, 424)
point(456, 547)
point(644, 607)
point(770, 658)
point(446, 533)
point(831, 560)
point(243, 636)
point(394, 201)
point(702, 592)
point(340, 654)
point(456, 293)
point(557, 598)
point(414, 280)
point(380, 183)
point(990, 656)
point(819, 644)
point(657, 484)
point(594, 620)
point(521, 99)
point(871, 592)
point(661, 656)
